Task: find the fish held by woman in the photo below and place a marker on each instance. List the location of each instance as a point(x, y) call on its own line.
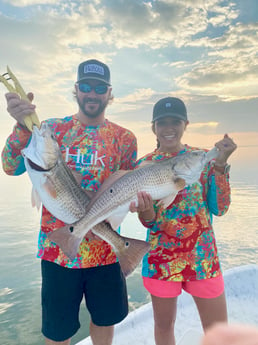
point(162, 180)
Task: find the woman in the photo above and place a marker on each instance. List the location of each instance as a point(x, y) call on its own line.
point(183, 251)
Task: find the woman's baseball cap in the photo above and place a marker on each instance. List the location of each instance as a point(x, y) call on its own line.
point(169, 106)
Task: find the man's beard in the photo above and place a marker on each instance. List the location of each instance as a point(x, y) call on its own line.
point(101, 108)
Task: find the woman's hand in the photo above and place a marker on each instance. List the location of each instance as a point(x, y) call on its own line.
point(145, 207)
point(226, 147)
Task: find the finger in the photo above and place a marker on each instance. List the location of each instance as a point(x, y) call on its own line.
point(20, 107)
point(30, 96)
point(133, 207)
point(147, 201)
point(141, 201)
point(11, 95)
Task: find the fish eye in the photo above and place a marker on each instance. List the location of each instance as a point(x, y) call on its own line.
point(127, 244)
point(53, 137)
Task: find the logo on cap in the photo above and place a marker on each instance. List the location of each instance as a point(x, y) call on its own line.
point(168, 105)
point(93, 68)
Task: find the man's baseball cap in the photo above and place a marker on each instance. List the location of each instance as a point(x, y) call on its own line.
point(93, 69)
point(169, 106)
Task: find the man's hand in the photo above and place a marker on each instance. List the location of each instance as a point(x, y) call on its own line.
point(19, 108)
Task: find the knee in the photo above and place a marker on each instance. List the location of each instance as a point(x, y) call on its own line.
point(165, 324)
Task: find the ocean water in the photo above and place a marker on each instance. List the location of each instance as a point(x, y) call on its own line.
point(20, 311)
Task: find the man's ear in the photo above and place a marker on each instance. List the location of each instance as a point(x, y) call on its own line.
point(153, 128)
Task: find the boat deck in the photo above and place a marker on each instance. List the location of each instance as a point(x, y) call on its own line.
point(241, 285)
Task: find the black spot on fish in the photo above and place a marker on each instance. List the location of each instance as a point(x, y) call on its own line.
point(127, 244)
point(111, 190)
point(71, 228)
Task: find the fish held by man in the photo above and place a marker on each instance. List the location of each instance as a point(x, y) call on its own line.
point(57, 188)
point(162, 180)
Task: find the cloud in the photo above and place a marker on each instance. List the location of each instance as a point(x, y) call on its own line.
point(24, 3)
point(140, 95)
point(197, 50)
point(67, 31)
point(231, 68)
point(165, 22)
point(205, 127)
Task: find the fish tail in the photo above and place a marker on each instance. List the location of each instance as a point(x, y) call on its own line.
point(66, 240)
point(131, 254)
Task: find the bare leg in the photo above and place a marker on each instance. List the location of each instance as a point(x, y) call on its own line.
point(51, 342)
point(101, 335)
point(164, 310)
point(211, 310)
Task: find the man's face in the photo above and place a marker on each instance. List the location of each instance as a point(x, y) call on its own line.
point(92, 97)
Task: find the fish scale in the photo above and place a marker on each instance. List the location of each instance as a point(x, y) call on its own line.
point(157, 179)
point(68, 209)
point(162, 180)
point(56, 187)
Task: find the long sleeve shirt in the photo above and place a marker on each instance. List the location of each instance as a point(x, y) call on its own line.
point(183, 245)
point(95, 152)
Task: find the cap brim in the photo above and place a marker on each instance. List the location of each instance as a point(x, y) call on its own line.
point(175, 115)
point(93, 78)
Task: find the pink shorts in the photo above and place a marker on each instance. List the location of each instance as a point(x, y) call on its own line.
point(206, 288)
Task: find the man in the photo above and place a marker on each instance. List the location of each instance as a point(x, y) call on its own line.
point(96, 147)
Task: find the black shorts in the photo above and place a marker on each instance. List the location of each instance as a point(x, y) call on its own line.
point(104, 288)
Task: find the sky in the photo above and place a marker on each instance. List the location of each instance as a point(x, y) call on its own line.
point(202, 51)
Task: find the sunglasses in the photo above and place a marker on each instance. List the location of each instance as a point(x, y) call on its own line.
point(100, 89)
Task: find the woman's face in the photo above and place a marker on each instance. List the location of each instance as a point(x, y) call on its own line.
point(169, 131)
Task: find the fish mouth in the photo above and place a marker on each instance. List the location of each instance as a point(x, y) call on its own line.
point(36, 167)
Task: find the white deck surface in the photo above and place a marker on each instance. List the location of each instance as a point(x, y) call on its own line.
point(242, 300)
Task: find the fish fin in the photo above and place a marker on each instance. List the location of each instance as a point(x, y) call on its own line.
point(165, 202)
point(66, 240)
point(77, 175)
point(131, 254)
point(129, 251)
point(50, 188)
point(115, 221)
point(35, 198)
point(179, 183)
point(144, 164)
point(212, 154)
point(90, 194)
point(116, 218)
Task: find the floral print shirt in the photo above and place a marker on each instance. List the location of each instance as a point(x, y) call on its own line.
point(183, 245)
point(95, 152)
